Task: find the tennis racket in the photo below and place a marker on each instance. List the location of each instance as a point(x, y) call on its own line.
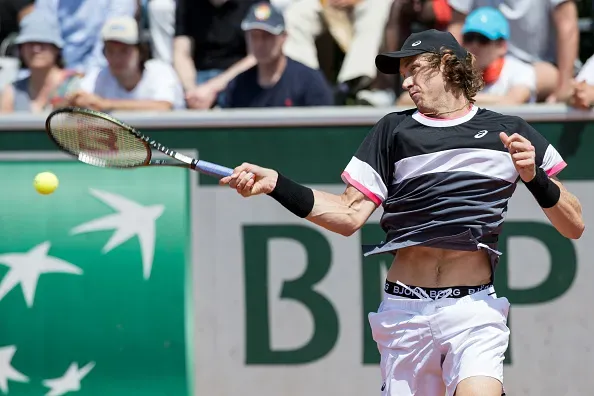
point(100, 140)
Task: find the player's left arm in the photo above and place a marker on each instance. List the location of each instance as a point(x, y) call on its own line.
point(538, 163)
point(566, 215)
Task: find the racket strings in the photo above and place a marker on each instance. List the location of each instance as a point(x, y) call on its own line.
point(98, 141)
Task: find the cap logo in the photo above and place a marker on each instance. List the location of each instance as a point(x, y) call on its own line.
point(416, 43)
point(262, 12)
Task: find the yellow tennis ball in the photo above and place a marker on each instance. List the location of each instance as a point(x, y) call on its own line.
point(45, 183)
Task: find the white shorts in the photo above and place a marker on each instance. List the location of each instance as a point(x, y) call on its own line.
point(428, 346)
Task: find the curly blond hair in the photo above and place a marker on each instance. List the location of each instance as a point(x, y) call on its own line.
point(461, 73)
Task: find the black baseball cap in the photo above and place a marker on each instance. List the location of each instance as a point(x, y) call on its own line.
point(264, 16)
point(419, 43)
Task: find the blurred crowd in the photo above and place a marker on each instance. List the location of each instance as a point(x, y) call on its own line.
point(205, 54)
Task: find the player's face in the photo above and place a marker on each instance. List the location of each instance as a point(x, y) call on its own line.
point(39, 55)
point(265, 47)
point(424, 83)
point(122, 58)
point(484, 50)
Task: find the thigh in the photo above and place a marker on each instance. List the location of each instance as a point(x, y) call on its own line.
point(410, 364)
point(479, 386)
point(475, 340)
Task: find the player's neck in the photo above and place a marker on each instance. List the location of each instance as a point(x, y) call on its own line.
point(269, 73)
point(448, 108)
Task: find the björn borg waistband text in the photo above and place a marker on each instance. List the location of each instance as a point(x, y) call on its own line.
point(415, 292)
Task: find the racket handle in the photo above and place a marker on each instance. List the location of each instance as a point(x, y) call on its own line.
point(213, 169)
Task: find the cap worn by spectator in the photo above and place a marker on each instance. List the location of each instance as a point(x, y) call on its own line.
point(263, 16)
point(487, 21)
point(428, 41)
point(121, 29)
point(37, 27)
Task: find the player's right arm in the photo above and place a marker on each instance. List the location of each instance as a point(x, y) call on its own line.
point(343, 214)
point(367, 176)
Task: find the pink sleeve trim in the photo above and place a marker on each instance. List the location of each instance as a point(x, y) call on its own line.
point(377, 200)
point(556, 169)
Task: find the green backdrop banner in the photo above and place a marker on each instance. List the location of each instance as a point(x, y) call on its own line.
point(92, 281)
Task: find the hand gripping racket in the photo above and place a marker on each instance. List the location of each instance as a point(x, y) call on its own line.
point(100, 140)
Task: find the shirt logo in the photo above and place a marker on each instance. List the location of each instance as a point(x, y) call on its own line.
point(480, 134)
point(416, 43)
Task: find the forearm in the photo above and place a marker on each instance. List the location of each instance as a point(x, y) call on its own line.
point(186, 71)
point(566, 215)
point(223, 79)
point(137, 105)
point(343, 214)
point(492, 99)
point(567, 49)
point(331, 212)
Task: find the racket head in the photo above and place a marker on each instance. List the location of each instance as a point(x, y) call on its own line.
point(97, 138)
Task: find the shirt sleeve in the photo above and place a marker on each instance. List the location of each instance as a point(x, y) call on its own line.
point(89, 82)
point(180, 22)
point(462, 6)
point(555, 3)
point(370, 169)
point(547, 157)
point(587, 72)
point(522, 75)
point(167, 86)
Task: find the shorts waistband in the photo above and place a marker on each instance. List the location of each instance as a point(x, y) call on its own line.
point(429, 293)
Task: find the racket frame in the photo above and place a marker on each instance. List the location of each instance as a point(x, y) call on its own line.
point(185, 161)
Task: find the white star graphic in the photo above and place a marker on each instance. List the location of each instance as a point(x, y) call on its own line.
point(69, 382)
point(25, 268)
point(132, 219)
point(7, 372)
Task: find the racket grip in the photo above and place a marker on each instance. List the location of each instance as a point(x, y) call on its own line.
point(213, 169)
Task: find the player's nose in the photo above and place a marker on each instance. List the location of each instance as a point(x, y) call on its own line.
point(407, 83)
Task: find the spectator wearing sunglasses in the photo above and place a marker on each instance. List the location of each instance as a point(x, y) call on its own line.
point(508, 80)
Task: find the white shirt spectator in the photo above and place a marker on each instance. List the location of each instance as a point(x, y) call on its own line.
point(533, 34)
point(513, 74)
point(587, 72)
point(159, 82)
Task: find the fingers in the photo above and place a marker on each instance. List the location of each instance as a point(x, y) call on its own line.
point(524, 155)
point(242, 179)
point(515, 142)
point(525, 163)
point(515, 147)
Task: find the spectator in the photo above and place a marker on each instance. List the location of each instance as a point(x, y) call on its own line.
point(80, 24)
point(508, 81)
point(161, 25)
point(430, 14)
point(11, 14)
point(40, 48)
point(131, 81)
point(276, 80)
point(305, 22)
point(582, 96)
point(543, 32)
point(209, 48)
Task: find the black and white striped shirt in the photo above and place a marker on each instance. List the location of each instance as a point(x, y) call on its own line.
point(443, 183)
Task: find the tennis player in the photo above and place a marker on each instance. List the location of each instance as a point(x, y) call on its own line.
point(444, 173)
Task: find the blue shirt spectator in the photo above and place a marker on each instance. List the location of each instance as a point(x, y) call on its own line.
point(299, 85)
point(276, 80)
point(80, 23)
